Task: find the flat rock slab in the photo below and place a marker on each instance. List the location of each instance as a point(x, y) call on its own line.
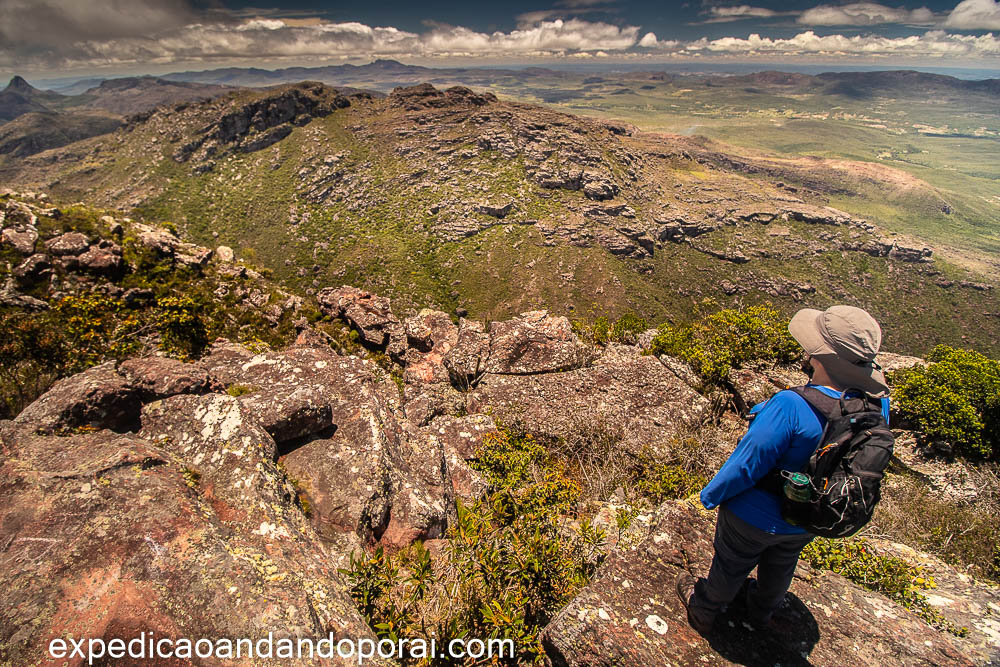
point(635, 398)
point(631, 615)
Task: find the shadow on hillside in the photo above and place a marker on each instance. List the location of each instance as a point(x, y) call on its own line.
point(737, 641)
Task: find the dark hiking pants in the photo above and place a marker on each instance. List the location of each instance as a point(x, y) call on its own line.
point(739, 547)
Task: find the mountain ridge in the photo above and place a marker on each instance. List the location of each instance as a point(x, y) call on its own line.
point(432, 195)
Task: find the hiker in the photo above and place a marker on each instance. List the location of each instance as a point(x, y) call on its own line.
point(840, 345)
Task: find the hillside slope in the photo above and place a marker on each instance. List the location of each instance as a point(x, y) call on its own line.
point(457, 200)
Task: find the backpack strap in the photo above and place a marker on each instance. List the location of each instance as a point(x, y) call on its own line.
point(834, 407)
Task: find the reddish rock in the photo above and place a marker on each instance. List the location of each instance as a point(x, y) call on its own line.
point(21, 239)
point(33, 268)
point(100, 261)
point(466, 360)
point(160, 377)
point(104, 537)
point(534, 342)
point(71, 243)
point(98, 397)
point(231, 454)
point(368, 313)
point(430, 335)
point(632, 398)
point(630, 615)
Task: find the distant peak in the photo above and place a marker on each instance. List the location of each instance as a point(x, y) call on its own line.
point(18, 83)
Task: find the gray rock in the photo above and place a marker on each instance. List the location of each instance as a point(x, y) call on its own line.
point(629, 614)
point(21, 239)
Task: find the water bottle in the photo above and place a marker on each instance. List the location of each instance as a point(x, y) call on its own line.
point(798, 487)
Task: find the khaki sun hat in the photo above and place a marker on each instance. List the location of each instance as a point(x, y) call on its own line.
point(845, 339)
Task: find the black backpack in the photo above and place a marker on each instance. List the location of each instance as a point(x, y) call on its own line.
point(846, 469)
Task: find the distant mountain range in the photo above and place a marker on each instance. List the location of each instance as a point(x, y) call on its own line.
point(490, 208)
point(34, 120)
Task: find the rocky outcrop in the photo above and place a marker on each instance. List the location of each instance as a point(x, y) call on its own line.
point(368, 313)
point(627, 395)
point(109, 397)
point(629, 614)
point(534, 342)
point(263, 122)
point(109, 535)
point(426, 96)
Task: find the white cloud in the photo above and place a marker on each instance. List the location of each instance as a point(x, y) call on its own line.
point(933, 44)
point(864, 14)
point(256, 39)
point(975, 15)
point(742, 11)
point(649, 41)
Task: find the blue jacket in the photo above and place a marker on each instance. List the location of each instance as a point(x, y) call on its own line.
point(784, 434)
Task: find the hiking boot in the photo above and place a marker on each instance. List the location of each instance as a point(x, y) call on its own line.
point(779, 621)
point(685, 591)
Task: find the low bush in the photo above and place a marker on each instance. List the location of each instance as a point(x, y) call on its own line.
point(512, 559)
point(728, 339)
point(955, 400)
point(182, 330)
point(625, 329)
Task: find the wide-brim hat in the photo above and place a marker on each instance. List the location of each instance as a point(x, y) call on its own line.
point(845, 340)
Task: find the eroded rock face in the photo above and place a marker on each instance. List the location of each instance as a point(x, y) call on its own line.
point(105, 537)
point(368, 313)
point(304, 390)
point(98, 397)
point(633, 397)
point(430, 335)
point(534, 342)
point(106, 397)
point(630, 614)
point(160, 377)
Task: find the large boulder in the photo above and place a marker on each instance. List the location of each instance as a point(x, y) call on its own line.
point(231, 455)
point(21, 239)
point(109, 397)
point(462, 438)
point(629, 614)
point(70, 243)
point(302, 391)
point(372, 479)
point(107, 536)
point(98, 397)
point(466, 360)
point(160, 377)
point(340, 432)
point(430, 336)
point(632, 397)
point(368, 313)
point(534, 342)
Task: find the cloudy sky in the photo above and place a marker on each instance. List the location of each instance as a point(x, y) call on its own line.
point(52, 37)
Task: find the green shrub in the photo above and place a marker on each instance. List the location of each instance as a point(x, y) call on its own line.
point(954, 400)
point(728, 339)
point(182, 331)
point(97, 328)
point(33, 354)
point(660, 481)
point(625, 329)
point(510, 564)
point(891, 576)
